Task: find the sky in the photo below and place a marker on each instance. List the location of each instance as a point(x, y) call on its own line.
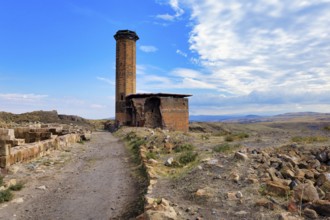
point(234, 57)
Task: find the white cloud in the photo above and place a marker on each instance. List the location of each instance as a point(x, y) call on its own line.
point(258, 45)
point(181, 53)
point(106, 80)
point(16, 97)
point(177, 11)
point(97, 106)
point(148, 49)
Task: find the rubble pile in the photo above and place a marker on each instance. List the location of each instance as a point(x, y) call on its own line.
point(301, 175)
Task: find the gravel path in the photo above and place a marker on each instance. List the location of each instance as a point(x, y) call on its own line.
point(96, 183)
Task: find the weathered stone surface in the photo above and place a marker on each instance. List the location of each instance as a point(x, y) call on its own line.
point(322, 207)
point(162, 211)
point(169, 161)
point(241, 156)
point(204, 192)
point(265, 203)
point(288, 216)
point(276, 188)
point(306, 192)
point(287, 172)
point(310, 213)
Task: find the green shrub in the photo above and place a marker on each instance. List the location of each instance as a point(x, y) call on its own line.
point(1, 180)
point(222, 148)
point(184, 147)
point(187, 157)
point(16, 187)
point(6, 195)
point(242, 135)
point(327, 128)
point(151, 155)
point(238, 136)
point(229, 138)
point(309, 139)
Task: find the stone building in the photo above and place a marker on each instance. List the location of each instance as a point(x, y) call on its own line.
point(153, 110)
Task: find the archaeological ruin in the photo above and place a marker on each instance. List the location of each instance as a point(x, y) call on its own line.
point(21, 144)
point(153, 110)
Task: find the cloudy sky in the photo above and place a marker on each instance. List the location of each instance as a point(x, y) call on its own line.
point(234, 57)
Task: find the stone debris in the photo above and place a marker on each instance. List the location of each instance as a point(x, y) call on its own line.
point(41, 187)
point(169, 161)
point(297, 173)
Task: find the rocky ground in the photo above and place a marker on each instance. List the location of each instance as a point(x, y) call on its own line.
point(88, 180)
point(236, 171)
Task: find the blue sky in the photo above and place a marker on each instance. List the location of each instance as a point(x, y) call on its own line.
point(234, 57)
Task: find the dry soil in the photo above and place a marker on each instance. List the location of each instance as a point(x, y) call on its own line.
point(93, 180)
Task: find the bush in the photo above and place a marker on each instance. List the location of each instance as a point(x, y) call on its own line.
point(327, 128)
point(310, 139)
point(1, 180)
point(151, 155)
point(187, 157)
point(222, 148)
point(184, 147)
point(242, 135)
point(238, 136)
point(16, 187)
point(6, 195)
point(229, 138)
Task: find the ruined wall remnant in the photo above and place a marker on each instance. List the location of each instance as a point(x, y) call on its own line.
point(165, 111)
point(24, 143)
point(153, 117)
point(175, 113)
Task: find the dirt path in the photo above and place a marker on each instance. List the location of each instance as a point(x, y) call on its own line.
point(95, 183)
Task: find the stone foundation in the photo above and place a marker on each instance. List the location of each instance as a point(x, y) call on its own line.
point(24, 144)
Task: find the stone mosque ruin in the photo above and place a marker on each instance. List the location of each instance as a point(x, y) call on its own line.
point(152, 110)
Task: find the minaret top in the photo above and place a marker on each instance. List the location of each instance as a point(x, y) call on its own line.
point(126, 34)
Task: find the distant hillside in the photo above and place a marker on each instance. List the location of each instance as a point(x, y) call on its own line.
point(217, 118)
point(44, 117)
point(257, 118)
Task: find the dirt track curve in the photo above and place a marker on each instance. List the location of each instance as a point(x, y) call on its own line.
point(96, 183)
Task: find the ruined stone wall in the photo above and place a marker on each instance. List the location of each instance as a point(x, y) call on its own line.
point(23, 144)
point(11, 155)
point(171, 113)
point(175, 113)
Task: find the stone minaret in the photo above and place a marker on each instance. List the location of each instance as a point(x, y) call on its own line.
point(125, 71)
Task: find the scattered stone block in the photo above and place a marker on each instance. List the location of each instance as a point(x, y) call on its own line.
point(306, 192)
point(322, 207)
point(277, 189)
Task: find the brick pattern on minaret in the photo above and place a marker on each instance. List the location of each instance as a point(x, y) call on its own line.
point(125, 71)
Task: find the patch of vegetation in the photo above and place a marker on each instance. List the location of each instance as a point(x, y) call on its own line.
point(184, 147)
point(205, 136)
point(223, 148)
point(81, 141)
point(309, 139)
point(1, 180)
point(238, 136)
point(16, 187)
point(5, 195)
point(229, 138)
point(327, 128)
point(187, 157)
point(220, 133)
point(151, 155)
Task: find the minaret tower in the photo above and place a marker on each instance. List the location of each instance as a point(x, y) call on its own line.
point(125, 71)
